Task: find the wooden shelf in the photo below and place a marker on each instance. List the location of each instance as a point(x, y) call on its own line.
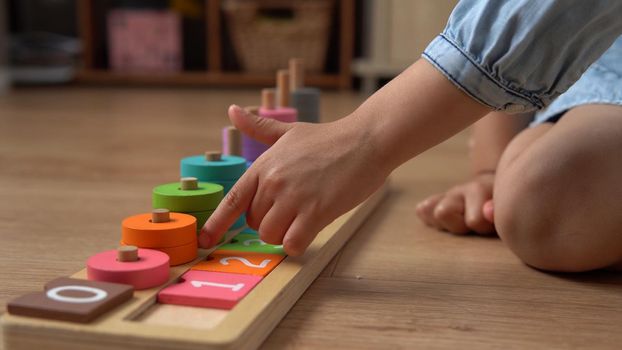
point(198, 78)
point(214, 75)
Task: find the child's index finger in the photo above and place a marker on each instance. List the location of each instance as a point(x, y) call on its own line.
point(235, 203)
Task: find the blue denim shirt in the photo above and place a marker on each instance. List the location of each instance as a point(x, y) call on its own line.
point(519, 55)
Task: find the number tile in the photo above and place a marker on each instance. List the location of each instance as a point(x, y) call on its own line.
point(208, 289)
point(70, 299)
point(246, 263)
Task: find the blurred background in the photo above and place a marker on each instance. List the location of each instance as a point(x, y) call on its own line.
point(346, 44)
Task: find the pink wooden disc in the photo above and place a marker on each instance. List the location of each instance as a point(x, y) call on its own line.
point(150, 270)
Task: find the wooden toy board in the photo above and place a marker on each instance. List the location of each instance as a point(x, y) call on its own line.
point(141, 323)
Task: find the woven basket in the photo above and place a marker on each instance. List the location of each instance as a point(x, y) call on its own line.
point(265, 43)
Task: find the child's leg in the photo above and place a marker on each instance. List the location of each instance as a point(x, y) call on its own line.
point(558, 192)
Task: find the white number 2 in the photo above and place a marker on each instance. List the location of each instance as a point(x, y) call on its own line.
point(263, 264)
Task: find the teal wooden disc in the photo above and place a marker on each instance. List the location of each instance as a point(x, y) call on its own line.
point(229, 168)
point(170, 196)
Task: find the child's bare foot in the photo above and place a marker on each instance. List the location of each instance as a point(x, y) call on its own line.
point(462, 209)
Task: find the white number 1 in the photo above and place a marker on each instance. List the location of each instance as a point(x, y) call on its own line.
point(233, 287)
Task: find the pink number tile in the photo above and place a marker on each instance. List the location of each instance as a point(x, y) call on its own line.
point(208, 289)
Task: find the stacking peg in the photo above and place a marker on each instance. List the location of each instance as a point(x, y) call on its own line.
point(160, 215)
point(232, 141)
point(306, 100)
point(189, 183)
point(128, 253)
point(213, 156)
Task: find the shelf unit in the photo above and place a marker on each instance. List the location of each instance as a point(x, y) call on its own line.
point(214, 75)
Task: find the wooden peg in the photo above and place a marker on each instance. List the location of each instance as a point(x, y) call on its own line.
point(296, 74)
point(213, 156)
point(267, 100)
point(234, 141)
point(189, 183)
point(127, 253)
point(160, 215)
point(282, 87)
point(255, 109)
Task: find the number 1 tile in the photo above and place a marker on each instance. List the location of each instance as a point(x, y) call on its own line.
point(208, 289)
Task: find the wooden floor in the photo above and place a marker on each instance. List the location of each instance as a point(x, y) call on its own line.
point(75, 162)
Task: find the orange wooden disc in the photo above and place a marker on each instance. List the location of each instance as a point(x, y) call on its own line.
point(138, 230)
point(180, 254)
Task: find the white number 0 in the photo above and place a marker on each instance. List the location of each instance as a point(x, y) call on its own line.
point(98, 294)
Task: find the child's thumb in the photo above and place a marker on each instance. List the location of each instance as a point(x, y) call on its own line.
point(264, 130)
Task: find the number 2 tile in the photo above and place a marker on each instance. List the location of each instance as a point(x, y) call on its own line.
point(246, 263)
point(208, 289)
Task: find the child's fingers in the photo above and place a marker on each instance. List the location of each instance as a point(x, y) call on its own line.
point(263, 130)
point(425, 210)
point(275, 224)
point(260, 205)
point(449, 213)
point(235, 203)
point(474, 200)
point(488, 211)
point(300, 235)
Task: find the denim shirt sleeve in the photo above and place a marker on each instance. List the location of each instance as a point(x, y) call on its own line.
point(519, 55)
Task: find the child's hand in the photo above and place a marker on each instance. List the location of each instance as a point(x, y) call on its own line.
point(462, 209)
point(311, 175)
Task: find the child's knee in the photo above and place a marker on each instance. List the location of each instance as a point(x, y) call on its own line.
point(528, 217)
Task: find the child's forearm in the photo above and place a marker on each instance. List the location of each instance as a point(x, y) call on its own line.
point(490, 137)
point(415, 111)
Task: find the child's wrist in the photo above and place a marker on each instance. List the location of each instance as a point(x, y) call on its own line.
point(372, 140)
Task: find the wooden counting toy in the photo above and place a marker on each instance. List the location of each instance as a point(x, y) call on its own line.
point(158, 290)
point(204, 310)
point(175, 236)
point(306, 100)
point(242, 262)
point(208, 289)
point(141, 268)
point(74, 300)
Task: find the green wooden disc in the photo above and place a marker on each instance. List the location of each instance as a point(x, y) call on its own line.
point(201, 217)
point(170, 196)
point(246, 242)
